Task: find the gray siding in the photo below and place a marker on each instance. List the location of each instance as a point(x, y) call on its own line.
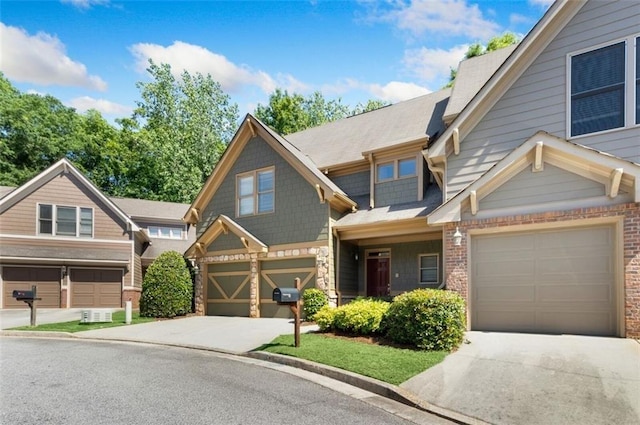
point(356, 184)
point(298, 217)
point(225, 242)
point(396, 192)
point(537, 100)
point(404, 262)
point(348, 269)
point(552, 184)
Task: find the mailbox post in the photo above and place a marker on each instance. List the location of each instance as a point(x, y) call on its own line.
point(290, 297)
point(30, 298)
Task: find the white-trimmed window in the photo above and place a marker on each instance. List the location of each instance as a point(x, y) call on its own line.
point(59, 220)
point(165, 232)
point(603, 87)
point(255, 192)
point(397, 169)
point(429, 268)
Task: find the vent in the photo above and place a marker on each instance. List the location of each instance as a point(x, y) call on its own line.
point(96, 316)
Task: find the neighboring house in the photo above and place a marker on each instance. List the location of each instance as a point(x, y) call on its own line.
point(79, 247)
point(519, 189)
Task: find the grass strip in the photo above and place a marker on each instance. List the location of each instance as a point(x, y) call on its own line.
point(75, 325)
point(385, 363)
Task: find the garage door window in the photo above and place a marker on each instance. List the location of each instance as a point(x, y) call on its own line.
point(69, 221)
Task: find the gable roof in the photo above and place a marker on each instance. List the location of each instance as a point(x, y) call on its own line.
point(344, 141)
point(61, 167)
point(554, 20)
point(473, 73)
point(144, 208)
point(222, 225)
point(542, 147)
point(250, 128)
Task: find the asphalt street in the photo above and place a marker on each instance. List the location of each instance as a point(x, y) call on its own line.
point(79, 382)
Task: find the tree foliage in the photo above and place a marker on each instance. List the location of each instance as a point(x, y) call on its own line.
point(477, 49)
point(289, 113)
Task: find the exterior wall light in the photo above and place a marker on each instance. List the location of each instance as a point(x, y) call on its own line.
point(457, 237)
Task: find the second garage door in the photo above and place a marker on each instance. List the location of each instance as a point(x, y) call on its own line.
point(559, 281)
point(96, 288)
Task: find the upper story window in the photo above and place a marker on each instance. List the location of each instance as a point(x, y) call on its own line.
point(429, 268)
point(602, 92)
point(165, 232)
point(58, 220)
point(255, 192)
point(398, 169)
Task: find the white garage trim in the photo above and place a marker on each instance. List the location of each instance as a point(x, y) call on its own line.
point(618, 254)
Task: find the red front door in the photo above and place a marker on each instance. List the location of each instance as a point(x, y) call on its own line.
point(377, 275)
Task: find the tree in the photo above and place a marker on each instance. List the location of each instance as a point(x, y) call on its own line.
point(289, 113)
point(35, 132)
point(186, 124)
point(476, 49)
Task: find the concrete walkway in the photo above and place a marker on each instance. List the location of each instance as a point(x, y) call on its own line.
point(505, 378)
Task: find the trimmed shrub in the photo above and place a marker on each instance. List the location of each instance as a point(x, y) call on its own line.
point(324, 318)
point(360, 317)
point(167, 287)
point(313, 300)
point(430, 319)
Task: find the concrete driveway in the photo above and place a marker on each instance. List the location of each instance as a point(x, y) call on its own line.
point(505, 378)
point(12, 318)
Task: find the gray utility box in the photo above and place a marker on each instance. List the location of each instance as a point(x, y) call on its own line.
point(286, 295)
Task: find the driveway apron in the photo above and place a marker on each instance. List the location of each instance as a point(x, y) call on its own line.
point(505, 378)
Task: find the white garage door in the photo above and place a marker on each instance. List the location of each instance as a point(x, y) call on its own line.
point(557, 281)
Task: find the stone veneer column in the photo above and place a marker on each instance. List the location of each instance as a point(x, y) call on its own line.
point(254, 290)
point(199, 289)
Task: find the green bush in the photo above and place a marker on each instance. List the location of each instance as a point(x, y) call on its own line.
point(324, 318)
point(167, 287)
point(313, 300)
point(360, 317)
point(429, 319)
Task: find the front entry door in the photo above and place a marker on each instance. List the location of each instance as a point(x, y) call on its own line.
point(378, 274)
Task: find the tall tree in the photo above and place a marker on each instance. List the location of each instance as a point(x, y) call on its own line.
point(476, 49)
point(288, 113)
point(35, 132)
point(187, 124)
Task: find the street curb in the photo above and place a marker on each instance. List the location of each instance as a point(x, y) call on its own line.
point(375, 386)
point(38, 334)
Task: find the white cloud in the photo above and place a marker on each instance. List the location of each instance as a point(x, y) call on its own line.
point(444, 18)
point(394, 91)
point(516, 19)
point(84, 103)
point(41, 59)
point(233, 78)
point(85, 4)
point(542, 3)
point(433, 66)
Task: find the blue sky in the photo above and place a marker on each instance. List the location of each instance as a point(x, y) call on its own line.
point(91, 53)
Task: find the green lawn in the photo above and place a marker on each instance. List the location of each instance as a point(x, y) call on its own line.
point(388, 364)
point(76, 326)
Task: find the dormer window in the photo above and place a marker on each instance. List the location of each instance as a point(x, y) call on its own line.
point(58, 220)
point(394, 170)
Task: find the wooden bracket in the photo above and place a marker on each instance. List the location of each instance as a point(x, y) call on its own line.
point(473, 198)
point(538, 165)
point(456, 141)
point(616, 177)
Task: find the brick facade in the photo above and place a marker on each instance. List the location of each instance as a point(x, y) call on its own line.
point(457, 267)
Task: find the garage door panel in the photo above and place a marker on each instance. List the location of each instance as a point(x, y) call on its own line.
point(282, 274)
point(566, 285)
point(46, 280)
point(96, 288)
point(596, 295)
point(503, 293)
point(228, 289)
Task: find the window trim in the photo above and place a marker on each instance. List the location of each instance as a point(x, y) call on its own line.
point(54, 221)
point(630, 100)
point(396, 169)
point(255, 195)
point(171, 231)
point(434, 254)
